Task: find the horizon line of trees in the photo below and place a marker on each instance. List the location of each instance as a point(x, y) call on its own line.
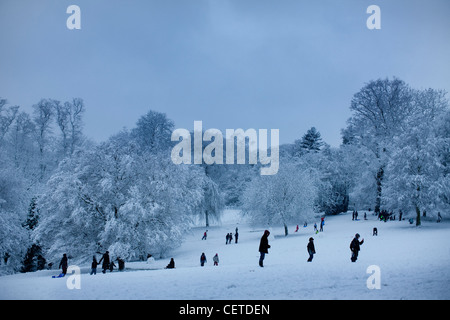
point(62, 193)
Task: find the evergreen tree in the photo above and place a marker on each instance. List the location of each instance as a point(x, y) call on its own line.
point(312, 141)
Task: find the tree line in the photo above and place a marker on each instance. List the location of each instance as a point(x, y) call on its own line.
point(62, 193)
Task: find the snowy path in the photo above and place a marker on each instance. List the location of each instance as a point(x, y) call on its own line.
point(414, 264)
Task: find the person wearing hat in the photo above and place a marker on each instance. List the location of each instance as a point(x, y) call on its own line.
point(311, 249)
point(355, 247)
point(264, 247)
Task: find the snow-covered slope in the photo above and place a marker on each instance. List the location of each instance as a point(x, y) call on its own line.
point(414, 263)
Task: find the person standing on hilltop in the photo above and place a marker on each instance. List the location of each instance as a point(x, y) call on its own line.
point(264, 247)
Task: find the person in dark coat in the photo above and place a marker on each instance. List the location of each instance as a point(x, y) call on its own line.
point(202, 259)
point(63, 264)
point(94, 266)
point(264, 247)
point(105, 259)
point(355, 247)
point(121, 263)
point(171, 264)
point(311, 249)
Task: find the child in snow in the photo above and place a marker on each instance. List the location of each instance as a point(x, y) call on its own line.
point(216, 259)
point(202, 259)
point(111, 266)
point(205, 235)
point(94, 266)
point(311, 249)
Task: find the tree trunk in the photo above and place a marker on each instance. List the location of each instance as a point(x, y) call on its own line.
point(380, 175)
point(285, 230)
point(207, 218)
point(418, 216)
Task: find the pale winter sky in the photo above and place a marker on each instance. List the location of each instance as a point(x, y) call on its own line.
point(263, 64)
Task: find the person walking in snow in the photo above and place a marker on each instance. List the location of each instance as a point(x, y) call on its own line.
point(202, 259)
point(264, 247)
point(205, 235)
point(105, 259)
point(63, 264)
point(311, 249)
point(216, 259)
point(355, 247)
point(121, 263)
point(236, 236)
point(322, 222)
point(94, 266)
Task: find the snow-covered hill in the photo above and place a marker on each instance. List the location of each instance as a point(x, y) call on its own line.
point(413, 262)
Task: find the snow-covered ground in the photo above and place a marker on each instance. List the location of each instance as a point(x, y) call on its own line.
point(414, 263)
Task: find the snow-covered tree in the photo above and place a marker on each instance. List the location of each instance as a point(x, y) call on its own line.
point(119, 198)
point(417, 167)
point(378, 113)
point(310, 142)
point(153, 131)
point(287, 197)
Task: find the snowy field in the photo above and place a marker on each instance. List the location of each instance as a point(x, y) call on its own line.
point(414, 264)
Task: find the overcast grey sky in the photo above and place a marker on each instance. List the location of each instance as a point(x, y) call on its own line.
point(281, 64)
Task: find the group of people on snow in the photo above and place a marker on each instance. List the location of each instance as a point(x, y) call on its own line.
point(229, 237)
point(107, 264)
point(203, 259)
point(264, 248)
point(355, 247)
